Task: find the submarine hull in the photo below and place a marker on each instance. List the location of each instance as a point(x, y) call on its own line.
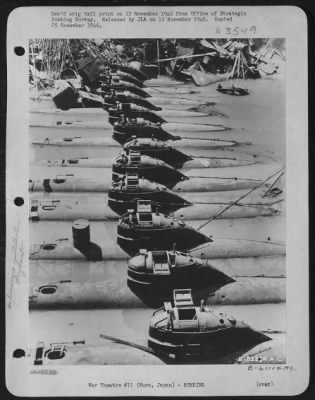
point(98, 121)
point(203, 345)
point(160, 100)
point(71, 183)
point(132, 70)
point(169, 154)
point(104, 235)
point(139, 101)
point(121, 203)
point(131, 240)
point(125, 77)
point(123, 134)
point(116, 293)
point(162, 174)
point(191, 142)
point(109, 353)
point(130, 87)
point(114, 116)
point(154, 289)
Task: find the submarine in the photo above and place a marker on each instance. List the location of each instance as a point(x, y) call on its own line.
point(112, 98)
point(155, 103)
point(200, 180)
point(153, 275)
point(116, 351)
point(66, 95)
point(164, 116)
point(122, 86)
point(128, 110)
point(121, 77)
point(63, 246)
point(154, 147)
point(221, 161)
point(125, 96)
point(73, 284)
point(129, 188)
point(76, 119)
point(155, 231)
point(146, 167)
point(160, 100)
point(125, 192)
point(132, 111)
point(117, 76)
point(191, 143)
point(185, 331)
point(85, 103)
point(81, 352)
point(128, 128)
point(110, 293)
point(100, 182)
point(140, 75)
point(167, 152)
point(129, 74)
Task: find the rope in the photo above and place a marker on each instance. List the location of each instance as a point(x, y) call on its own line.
point(127, 343)
point(223, 177)
point(254, 205)
point(281, 170)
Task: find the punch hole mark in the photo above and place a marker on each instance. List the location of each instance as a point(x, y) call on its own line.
point(19, 201)
point(18, 353)
point(19, 50)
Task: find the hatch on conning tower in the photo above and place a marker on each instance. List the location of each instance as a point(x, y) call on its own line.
point(161, 263)
point(184, 312)
point(144, 206)
point(135, 157)
point(132, 181)
point(183, 298)
point(144, 212)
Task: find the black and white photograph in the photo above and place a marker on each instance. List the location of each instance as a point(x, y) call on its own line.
point(157, 201)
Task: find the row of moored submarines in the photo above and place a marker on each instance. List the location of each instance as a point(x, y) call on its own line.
point(169, 265)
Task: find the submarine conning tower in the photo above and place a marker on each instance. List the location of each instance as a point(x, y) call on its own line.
point(144, 228)
point(130, 187)
point(127, 127)
point(121, 86)
point(150, 168)
point(133, 111)
point(153, 275)
point(127, 97)
point(183, 330)
point(156, 148)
